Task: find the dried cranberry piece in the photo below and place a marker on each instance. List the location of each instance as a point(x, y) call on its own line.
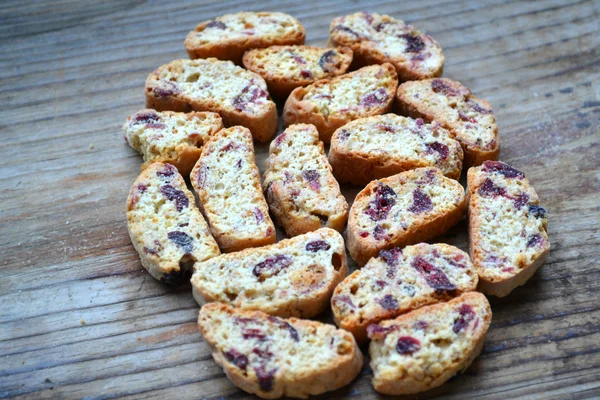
point(297, 58)
point(216, 24)
point(381, 284)
point(478, 108)
point(149, 250)
point(317, 245)
point(327, 58)
point(165, 89)
point(421, 202)
point(375, 331)
point(465, 117)
point(439, 86)
point(348, 30)
point(383, 202)
point(439, 148)
point(407, 345)
point(375, 97)
point(343, 135)
point(489, 189)
point(306, 74)
point(271, 266)
point(248, 95)
point(502, 168)
point(379, 233)
point(521, 200)
point(264, 354)
point(279, 139)
point(166, 170)
point(176, 195)
point(265, 378)
point(236, 358)
point(368, 17)
point(173, 277)
point(414, 44)
point(184, 241)
point(388, 302)
point(421, 325)
point(228, 147)
point(364, 234)
point(466, 315)
point(344, 299)
point(535, 240)
point(259, 216)
point(202, 174)
point(312, 177)
point(253, 333)
point(435, 277)
point(419, 122)
point(146, 118)
point(386, 128)
point(284, 325)
point(391, 257)
point(537, 211)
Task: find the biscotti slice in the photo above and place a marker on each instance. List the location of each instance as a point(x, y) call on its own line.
point(229, 36)
point(407, 208)
point(171, 137)
point(469, 119)
point(273, 357)
point(294, 277)
point(165, 227)
point(377, 147)
point(398, 281)
point(239, 96)
point(508, 235)
point(227, 182)
point(285, 68)
point(377, 38)
point(421, 350)
point(299, 187)
point(330, 103)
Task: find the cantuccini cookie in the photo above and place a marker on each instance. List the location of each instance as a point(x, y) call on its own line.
point(330, 103)
point(470, 119)
point(376, 38)
point(508, 235)
point(377, 147)
point(165, 226)
point(294, 277)
point(273, 357)
point(424, 348)
point(239, 96)
point(407, 208)
point(170, 137)
point(227, 182)
point(285, 68)
point(299, 187)
point(398, 281)
point(229, 36)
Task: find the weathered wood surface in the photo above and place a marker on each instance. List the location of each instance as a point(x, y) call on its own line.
point(81, 318)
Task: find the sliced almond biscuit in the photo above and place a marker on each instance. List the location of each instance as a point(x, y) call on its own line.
point(507, 227)
point(239, 96)
point(273, 357)
point(165, 227)
point(470, 120)
point(407, 208)
point(399, 281)
point(378, 38)
point(227, 37)
point(294, 277)
point(421, 350)
point(285, 68)
point(299, 187)
point(377, 147)
point(227, 182)
point(171, 137)
point(330, 103)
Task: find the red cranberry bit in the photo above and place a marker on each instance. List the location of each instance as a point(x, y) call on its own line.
point(508, 269)
point(465, 117)
point(312, 177)
point(343, 135)
point(478, 108)
point(421, 325)
point(390, 257)
point(141, 188)
point(306, 74)
point(344, 299)
point(466, 315)
point(502, 168)
point(228, 147)
point(439, 148)
point(521, 200)
point(297, 58)
point(216, 24)
point(380, 284)
point(375, 97)
point(253, 333)
point(236, 358)
point(386, 128)
point(383, 202)
point(248, 95)
point(317, 245)
point(265, 378)
point(176, 195)
point(537, 211)
point(407, 345)
point(419, 122)
point(379, 233)
point(375, 331)
point(368, 17)
point(347, 30)
point(165, 89)
point(202, 174)
point(535, 240)
point(143, 118)
point(435, 277)
point(388, 302)
point(284, 325)
point(439, 86)
point(262, 354)
point(166, 170)
point(421, 202)
point(271, 266)
point(149, 250)
point(183, 224)
point(489, 189)
point(363, 234)
point(279, 139)
point(182, 240)
point(414, 44)
point(259, 216)
point(327, 59)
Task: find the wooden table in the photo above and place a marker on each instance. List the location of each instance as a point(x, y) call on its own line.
point(80, 317)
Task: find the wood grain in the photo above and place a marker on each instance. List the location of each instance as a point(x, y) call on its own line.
point(81, 318)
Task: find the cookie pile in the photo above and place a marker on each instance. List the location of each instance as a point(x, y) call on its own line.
point(419, 305)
